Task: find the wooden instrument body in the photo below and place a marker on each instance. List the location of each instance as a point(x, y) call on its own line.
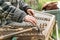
point(25, 30)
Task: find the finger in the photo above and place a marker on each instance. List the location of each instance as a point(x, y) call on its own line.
point(32, 12)
point(34, 21)
point(31, 22)
point(29, 13)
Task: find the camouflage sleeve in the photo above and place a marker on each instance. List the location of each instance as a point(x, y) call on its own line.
point(14, 13)
point(24, 6)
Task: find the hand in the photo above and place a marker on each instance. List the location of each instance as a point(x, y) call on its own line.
point(30, 12)
point(30, 19)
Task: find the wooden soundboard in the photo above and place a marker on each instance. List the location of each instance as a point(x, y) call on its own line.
point(45, 24)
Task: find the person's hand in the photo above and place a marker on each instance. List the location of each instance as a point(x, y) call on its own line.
point(30, 19)
point(30, 12)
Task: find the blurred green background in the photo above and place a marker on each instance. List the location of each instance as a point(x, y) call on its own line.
point(37, 4)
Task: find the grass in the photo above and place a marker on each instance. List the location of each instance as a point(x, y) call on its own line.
point(40, 3)
point(59, 33)
point(54, 34)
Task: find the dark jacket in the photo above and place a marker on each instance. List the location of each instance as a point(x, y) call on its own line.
point(14, 13)
point(22, 5)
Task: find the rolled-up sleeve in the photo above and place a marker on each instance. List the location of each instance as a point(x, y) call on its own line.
point(24, 6)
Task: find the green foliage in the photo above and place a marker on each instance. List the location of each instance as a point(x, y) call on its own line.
point(40, 3)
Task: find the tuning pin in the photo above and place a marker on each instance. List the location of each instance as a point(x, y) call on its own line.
point(41, 28)
point(45, 24)
point(48, 19)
